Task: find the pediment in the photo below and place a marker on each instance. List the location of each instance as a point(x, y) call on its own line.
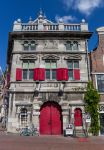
point(51, 57)
point(29, 56)
point(44, 21)
point(73, 56)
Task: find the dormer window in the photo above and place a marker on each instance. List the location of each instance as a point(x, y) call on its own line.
point(29, 45)
point(72, 45)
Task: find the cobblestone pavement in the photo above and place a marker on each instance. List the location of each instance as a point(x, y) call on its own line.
point(16, 142)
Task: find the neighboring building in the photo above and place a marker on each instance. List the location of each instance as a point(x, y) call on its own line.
point(97, 73)
point(49, 72)
point(4, 85)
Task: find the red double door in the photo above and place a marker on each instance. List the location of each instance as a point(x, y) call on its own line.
point(50, 119)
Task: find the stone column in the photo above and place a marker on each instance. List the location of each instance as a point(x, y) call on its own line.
point(9, 111)
point(65, 115)
point(36, 112)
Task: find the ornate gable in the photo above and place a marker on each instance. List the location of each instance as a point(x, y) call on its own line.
point(28, 56)
point(51, 57)
point(73, 56)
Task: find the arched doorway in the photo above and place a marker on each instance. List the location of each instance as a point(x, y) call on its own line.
point(78, 117)
point(50, 119)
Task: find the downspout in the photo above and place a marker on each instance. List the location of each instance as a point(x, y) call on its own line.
point(88, 62)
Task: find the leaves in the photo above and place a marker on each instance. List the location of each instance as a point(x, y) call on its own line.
point(91, 105)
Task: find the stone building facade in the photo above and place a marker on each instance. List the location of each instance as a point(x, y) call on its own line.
point(97, 73)
point(48, 63)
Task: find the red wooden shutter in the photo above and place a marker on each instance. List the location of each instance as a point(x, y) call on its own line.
point(77, 74)
point(59, 74)
point(65, 74)
point(41, 74)
point(18, 74)
point(36, 74)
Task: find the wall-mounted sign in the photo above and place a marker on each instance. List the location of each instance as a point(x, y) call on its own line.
point(88, 118)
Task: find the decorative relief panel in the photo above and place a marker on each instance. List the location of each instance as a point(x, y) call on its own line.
point(49, 97)
point(69, 97)
point(50, 44)
point(18, 109)
point(22, 97)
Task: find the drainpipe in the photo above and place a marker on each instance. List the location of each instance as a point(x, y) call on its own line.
point(88, 62)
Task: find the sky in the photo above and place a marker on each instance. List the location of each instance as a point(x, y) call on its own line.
point(71, 11)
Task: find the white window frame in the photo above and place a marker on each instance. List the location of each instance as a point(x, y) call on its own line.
point(96, 81)
point(29, 45)
point(50, 70)
point(72, 43)
point(28, 69)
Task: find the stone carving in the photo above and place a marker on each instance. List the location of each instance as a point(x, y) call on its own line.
point(18, 108)
point(22, 97)
point(50, 57)
point(73, 56)
point(28, 56)
point(69, 97)
point(49, 97)
point(50, 44)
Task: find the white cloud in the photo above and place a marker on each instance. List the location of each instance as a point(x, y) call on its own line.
point(65, 19)
point(84, 6)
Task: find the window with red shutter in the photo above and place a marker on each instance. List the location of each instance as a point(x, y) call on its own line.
point(18, 74)
point(73, 70)
point(77, 74)
point(50, 73)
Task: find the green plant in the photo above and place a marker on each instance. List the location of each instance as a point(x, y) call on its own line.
point(91, 106)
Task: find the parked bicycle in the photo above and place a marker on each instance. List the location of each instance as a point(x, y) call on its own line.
point(32, 131)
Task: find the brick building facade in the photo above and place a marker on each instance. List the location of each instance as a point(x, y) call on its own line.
point(97, 72)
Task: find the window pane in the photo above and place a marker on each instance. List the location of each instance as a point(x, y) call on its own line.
point(31, 73)
point(76, 64)
point(48, 64)
point(68, 46)
point(33, 45)
point(70, 64)
point(47, 74)
point(75, 45)
point(31, 65)
point(25, 74)
point(26, 45)
point(100, 83)
point(70, 74)
point(53, 64)
point(25, 65)
point(53, 74)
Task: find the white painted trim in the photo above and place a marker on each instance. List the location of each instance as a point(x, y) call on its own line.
point(97, 73)
point(96, 82)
